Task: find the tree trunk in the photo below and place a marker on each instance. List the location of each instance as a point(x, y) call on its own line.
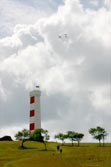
point(62, 142)
point(72, 143)
point(45, 146)
point(22, 146)
point(103, 141)
point(78, 143)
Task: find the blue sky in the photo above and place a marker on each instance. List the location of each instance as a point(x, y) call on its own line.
point(47, 4)
point(89, 4)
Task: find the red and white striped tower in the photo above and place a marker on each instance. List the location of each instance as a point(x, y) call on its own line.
point(35, 113)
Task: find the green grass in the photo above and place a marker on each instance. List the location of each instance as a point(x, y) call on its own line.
point(87, 155)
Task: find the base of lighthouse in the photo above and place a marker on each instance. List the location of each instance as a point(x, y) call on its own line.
point(35, 112)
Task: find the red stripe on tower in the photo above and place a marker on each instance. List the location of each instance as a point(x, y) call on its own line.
point(32, 126)
point(32, 113)
point(32, 99)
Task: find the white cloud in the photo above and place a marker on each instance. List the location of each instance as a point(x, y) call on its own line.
point(11, 130)
point(16, 12)
point(68, 54)
point(2, 92)
point(107, 3)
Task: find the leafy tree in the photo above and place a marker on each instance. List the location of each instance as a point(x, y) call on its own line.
point(98, 133)
point(23, 136)
point(71, 136)
point(75, 136)
point(40, 135)
point(78, 137)
point(36, 135)
point(61, 137)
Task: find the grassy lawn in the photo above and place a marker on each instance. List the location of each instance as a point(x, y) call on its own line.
point(87, 155)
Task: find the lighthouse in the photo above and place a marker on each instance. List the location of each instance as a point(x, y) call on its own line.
point(35, 112)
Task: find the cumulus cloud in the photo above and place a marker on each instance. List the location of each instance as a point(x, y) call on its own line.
point(21, 12)
point(68, 55)
point(107, 3)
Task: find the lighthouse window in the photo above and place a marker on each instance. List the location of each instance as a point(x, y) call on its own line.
point(32, 113)
point(32, 99)
point(32, 126)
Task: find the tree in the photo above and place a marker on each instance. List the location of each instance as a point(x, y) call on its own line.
point(75, 136)
point(98, 133)
point(40, 135)
point(36, 135)
point(61, 137)
point(23, 136)
point(71, 136)
point(78, 137)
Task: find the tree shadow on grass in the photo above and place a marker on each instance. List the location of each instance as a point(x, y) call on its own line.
point(49, 150)
point(75, 145)
point(26, 148)
point(33, 148)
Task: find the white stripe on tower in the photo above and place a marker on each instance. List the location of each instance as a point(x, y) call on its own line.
point(35, 113)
